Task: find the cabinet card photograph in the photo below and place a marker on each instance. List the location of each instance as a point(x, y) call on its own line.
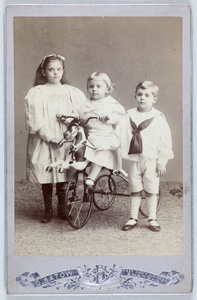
point(98, 149)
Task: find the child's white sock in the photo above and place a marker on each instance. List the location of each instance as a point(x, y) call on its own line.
point(94, 171)
point(134, 209)
point(152, 209)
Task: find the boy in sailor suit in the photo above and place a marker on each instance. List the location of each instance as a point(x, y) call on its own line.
point(147, 145)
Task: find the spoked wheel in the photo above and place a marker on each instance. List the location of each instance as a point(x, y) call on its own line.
point(102, 193)
point(143, 207)
point(78, 201)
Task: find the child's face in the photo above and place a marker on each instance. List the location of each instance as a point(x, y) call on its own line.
point(145, 100)
point(97, 89)
point(54, 72)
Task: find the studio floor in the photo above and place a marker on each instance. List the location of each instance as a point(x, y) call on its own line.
point(102, 235)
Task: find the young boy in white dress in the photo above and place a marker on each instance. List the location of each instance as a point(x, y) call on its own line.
point(102, 133)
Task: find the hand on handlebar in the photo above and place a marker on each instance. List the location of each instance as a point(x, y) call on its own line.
point(103, 118)
point(66, 119)
point(99, 148)
point(55, 141)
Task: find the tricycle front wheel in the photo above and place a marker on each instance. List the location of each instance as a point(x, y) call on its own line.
point(78, 201)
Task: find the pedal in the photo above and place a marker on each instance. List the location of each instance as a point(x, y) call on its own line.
point(86, 197)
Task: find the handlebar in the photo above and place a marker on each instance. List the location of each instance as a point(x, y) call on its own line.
point(98, 118)
point(63, 118)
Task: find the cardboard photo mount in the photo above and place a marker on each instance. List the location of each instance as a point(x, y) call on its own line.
point(80, 273)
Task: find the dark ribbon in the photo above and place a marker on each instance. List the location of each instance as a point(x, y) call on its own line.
point(136, 142)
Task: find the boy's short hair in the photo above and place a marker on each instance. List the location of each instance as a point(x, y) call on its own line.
point(148, 85)
point(104, 77)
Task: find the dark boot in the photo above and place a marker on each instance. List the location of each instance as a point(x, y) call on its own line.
point(47, 190)
point(61, 193)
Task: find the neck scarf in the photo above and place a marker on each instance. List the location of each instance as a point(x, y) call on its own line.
point(136, 141)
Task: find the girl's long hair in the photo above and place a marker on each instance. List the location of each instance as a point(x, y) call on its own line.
point(40, 78)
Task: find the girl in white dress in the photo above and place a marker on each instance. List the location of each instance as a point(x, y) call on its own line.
point(102, 131)
point(49, 97)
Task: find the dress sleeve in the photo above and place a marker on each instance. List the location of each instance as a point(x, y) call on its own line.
point(34, 110)
point(34, 113)
point(124, 132)
point(78, 100)
point(165, 145)
point(116, 115)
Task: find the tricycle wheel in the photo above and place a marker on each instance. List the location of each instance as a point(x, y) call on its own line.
point(78, 201)
point(104, 192)
point(143, 207)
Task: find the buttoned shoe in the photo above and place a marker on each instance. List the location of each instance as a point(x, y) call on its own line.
point(154, 226)
point(89, 183)
point(47, 216)
point(130, 224)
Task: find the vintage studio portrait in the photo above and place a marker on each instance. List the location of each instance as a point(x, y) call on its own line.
point(98, 136)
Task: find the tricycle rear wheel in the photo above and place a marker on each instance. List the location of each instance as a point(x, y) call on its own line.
point(104, 192)
point(143, 207)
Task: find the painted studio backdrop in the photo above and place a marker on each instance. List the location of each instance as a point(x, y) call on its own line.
point(128, 49)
